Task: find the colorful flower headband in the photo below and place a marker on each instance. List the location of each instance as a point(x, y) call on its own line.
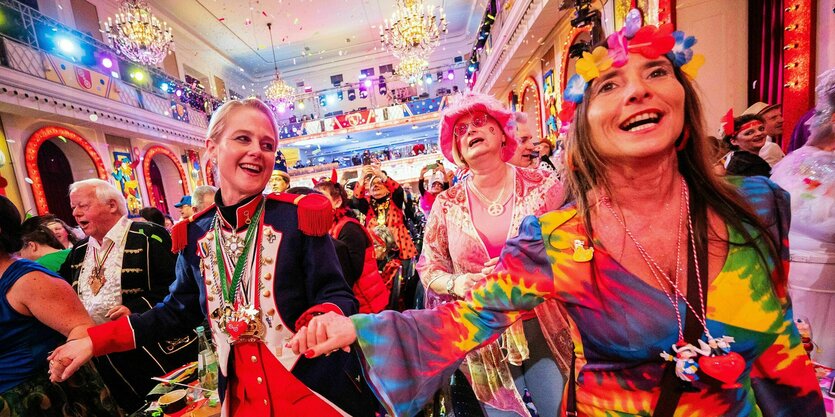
point(649, 41)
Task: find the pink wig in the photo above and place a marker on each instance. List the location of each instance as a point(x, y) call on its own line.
point(469, 103)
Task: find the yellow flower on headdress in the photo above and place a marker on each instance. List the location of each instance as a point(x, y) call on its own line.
point(692, 68)
point(592, 64)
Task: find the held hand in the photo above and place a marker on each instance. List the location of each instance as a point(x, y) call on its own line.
point(489, 266)
point(117, 312)
point(64, 361)
point(323, 335)
point(465, 283)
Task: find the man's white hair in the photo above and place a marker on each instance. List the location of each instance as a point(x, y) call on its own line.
point(104, 191)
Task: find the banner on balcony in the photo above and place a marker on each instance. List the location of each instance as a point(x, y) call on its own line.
point(65, 72)
point(354, 119)
point(179, 111)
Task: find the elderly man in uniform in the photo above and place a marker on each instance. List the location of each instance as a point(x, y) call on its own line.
point(123, 267)
point(773, 116)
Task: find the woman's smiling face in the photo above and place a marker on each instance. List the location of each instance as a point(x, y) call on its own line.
point(636, 110)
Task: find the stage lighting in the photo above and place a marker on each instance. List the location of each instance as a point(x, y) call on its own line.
point(450, 75)
point(382, 86)
point(352, 94)
point(331, 99)
point(178, 93)
point(367, 83)
point(137, 75)
point(107, 63)
point(164, 87)
point(281, 107)
point(66, 45)
point(428, 79)
point(300, 105)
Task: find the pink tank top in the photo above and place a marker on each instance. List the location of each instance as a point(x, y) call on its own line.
point(491, 229)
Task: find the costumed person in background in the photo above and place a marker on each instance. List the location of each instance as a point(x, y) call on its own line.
point(526, 152)
point(258, 267)
point(360, 267)
point(438, 182)
point(186, 207)
point(39, 310)
point(152, 215)
point(203, 196)
point(62, 231)
point(380, 197)
point(772, 115)
point(280, 179)
point(745, 136)
point(123, 267)
point(714, 273)
point(809, 175)
point(465, 234)
point(545, 150)
point(41, 245)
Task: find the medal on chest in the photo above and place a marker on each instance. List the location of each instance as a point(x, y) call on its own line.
point(97, 278)
point(239, 314)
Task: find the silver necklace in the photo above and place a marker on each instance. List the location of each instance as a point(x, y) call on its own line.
point(495, 207)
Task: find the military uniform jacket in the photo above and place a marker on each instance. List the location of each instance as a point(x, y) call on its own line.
point(147, 271)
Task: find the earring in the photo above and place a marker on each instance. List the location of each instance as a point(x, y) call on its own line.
point(681, 143)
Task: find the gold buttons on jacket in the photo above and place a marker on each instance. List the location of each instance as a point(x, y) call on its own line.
point(266, 293)
point(268, 276)
point(253, 359)
point(260, 380)
point(265, 402)
point(270, 312)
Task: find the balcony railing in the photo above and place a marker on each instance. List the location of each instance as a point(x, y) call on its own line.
point(25, 33)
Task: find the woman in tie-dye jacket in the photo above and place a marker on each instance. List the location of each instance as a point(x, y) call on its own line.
point(650, 221)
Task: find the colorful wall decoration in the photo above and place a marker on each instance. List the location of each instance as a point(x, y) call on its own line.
point(65, 72)
point(656, 12)
point(124, 172)
point(150, 153)
point(195, 176)
point(31, 157)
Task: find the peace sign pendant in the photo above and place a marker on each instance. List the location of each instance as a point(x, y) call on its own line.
point(495, 209)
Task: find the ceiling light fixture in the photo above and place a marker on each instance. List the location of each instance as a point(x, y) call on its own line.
point(278, 91)
point(414, 27)
point(138, 34)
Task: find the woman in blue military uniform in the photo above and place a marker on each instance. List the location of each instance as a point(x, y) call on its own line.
point(259, 267)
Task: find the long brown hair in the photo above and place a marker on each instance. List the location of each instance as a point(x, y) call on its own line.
point(708, 191)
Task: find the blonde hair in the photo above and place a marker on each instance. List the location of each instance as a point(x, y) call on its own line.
point(104, 192)
point(218, 122)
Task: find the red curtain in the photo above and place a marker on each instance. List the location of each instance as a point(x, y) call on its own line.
point(765, 51)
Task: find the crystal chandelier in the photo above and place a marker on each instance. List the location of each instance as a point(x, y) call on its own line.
point(138, 34)
point(413, 28)
point(411, 68)
point(279, 93)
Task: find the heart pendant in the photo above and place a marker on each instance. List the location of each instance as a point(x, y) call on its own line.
point(236, 328)
point(725, 368)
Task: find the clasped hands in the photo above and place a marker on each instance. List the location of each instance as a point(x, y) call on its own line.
point(323, 335)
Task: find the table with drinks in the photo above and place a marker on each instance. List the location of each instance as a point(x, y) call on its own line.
point(190, 390)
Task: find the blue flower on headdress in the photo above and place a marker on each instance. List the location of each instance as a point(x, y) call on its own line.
point(633, 22)
point(575, 88)
point(682, 52)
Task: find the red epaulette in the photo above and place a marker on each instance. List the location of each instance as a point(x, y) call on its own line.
point(179, 232)
point(315, 211)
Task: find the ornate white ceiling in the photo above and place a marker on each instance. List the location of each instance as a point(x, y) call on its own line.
point(306, 32)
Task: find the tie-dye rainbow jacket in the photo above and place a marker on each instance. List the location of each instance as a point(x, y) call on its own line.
point(619, 323)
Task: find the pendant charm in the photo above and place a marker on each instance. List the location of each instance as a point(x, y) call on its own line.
point(495, 209)
point(581, 253)
point(235, 329)
point(685, 361)
point(719, 362)
point(97, 280)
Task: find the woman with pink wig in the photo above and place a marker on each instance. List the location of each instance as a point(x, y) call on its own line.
point(465, 233)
